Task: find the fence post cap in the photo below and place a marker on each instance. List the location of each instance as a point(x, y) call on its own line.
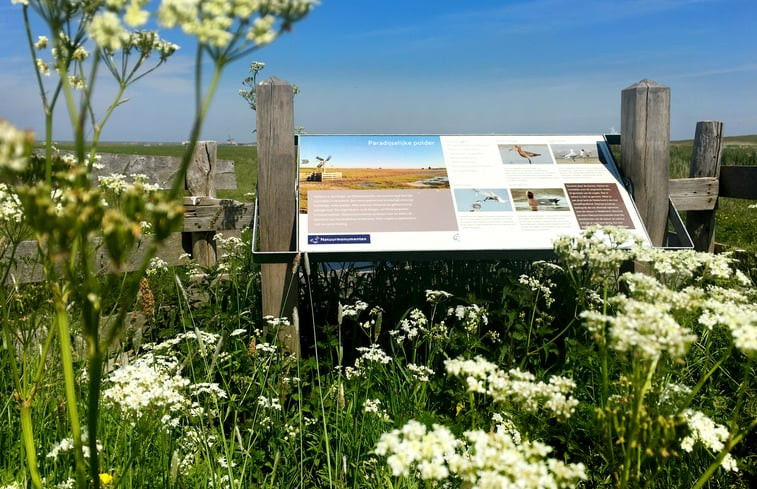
point(274, 81)
point(646, 83)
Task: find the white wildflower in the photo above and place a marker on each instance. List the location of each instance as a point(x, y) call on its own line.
point(420, 373)
point(436, 296)
point(41, 43)
point(107, 32)
point(709, 433)
point(15, 147)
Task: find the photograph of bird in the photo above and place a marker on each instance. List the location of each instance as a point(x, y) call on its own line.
point(571, 155)
point(489, 196)
point(532, 202)
point(525, 154)
point(583, 154)
point(549, 201)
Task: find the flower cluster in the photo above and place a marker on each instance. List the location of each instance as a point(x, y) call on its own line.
point(67, 445)
point(676, 268)
point(10, 206)
point(414, 447)
point(542, 287)
point(481, 460)
point(373, 406)
point(412, 327)
point(436, 296)
point(421, 373)
point(15, 147)
point(599, 250)
point(709, 433)
point(146, 386)
point(352, 311)
point(217, 23)
point(648, 329)
point(516, 387)
point(472, 317)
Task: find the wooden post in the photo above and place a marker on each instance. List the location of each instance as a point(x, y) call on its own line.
point(645, 152)
point(277, 176)
point(200, 181)
point(705, 162)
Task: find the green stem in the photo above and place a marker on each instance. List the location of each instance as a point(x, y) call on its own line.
point(61, 321)
point(28, 435)
point(632, 442)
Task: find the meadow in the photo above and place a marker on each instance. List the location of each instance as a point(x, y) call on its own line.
point(572, 373)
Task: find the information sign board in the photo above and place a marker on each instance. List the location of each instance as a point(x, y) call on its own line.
point(370, 193)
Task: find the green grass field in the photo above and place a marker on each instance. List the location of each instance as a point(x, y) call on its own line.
point(736, 222)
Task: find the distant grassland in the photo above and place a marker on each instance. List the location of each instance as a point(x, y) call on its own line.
point(736, 223)
point(370, 179)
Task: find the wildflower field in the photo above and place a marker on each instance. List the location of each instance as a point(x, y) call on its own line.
point(612, 365)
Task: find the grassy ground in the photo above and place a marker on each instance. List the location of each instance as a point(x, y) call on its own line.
point(736, 223)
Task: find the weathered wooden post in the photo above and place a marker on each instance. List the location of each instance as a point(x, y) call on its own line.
point(277, 176)
point(705, 162)
point(645, 152)
point(200, 181)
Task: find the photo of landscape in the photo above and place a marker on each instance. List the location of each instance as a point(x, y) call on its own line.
point(369, 163)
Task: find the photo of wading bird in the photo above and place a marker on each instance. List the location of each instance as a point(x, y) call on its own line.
point(525, 154)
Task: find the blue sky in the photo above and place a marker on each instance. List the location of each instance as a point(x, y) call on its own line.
point(444, 67)
point(373, 151)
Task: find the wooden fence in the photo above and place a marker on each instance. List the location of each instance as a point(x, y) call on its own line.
point(645, 160)
point(204, 214)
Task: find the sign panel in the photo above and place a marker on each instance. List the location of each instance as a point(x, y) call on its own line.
point(438, 193)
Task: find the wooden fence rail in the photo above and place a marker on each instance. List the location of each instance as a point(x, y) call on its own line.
point(204, 215)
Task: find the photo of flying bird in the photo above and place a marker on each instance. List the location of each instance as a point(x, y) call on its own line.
point(525, 154)
point(489, 196)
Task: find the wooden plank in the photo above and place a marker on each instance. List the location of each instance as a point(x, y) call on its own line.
point(738, 182)
point(160, 170)
point(277, 174)
point(694, 194)
point(200, 179)
point(705, 162)
point(232, 215)
point(26, 268)
point(645, 152)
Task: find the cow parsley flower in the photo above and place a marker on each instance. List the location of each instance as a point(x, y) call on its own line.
point(436, 296)
point(516, 386)
point(420, 373)
point(15, 147)
point(146, 385)
point(10, 206)
point(480, 460)
point(709, 433)
point(107, 31)
point(472, 317)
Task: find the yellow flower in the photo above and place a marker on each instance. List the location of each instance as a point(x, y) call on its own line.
point(106, 478)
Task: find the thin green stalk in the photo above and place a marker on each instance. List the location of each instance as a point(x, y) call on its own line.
point(64, 339)
point(27, 430)
point(632, 440)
